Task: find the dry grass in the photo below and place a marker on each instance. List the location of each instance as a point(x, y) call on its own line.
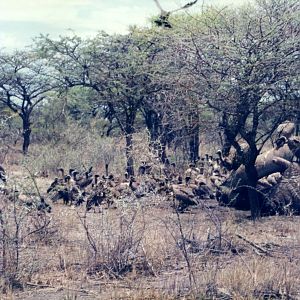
point(141, 250)
point(67, 267)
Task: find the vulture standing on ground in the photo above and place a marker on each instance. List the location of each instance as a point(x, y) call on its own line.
point(2, 175)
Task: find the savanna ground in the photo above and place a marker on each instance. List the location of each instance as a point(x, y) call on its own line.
point(143, 249)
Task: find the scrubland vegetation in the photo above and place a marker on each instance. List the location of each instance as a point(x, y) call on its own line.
point(111, 185)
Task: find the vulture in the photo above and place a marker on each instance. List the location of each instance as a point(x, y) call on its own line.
point(162, 20)
point(184, 195)
point(43, 206)
point(2, 175)
point(83, 181)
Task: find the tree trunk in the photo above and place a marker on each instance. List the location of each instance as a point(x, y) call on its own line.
point(158, 140)
point(194, 146)
point(193, 132)
point(129, 130)
point(26, 134)
point(298, 122)
point(162, 150)
point(129, 157)
point(152, 123)
point(252, 178)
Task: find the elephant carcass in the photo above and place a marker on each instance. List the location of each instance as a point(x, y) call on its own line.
point(286, 129)
point(231, 192)
point(284, 197)
point(233, 158)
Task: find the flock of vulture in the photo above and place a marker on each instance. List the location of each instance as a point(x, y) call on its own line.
point(212, 177)
point(95, 191)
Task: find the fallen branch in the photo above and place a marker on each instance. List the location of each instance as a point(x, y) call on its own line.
point(42, 286)
point(255, 246)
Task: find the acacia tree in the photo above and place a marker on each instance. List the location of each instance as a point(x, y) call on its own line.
point(74, 60)
point(117, 67)
point(130, 82)
point(172, 118)
point(172, 115)
point(244, 57)
point(24, 84)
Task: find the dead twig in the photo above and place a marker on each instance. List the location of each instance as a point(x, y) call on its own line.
point(255, 246)
point(43, 286)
